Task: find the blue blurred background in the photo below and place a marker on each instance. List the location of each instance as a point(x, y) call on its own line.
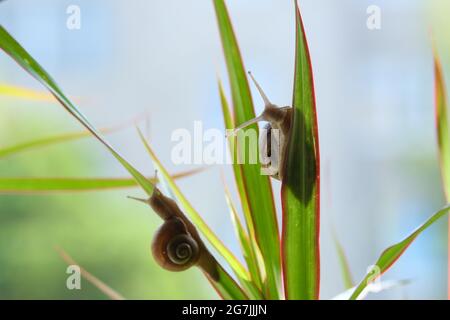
point(380, 176)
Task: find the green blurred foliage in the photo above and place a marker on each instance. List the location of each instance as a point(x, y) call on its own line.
point(106, 233)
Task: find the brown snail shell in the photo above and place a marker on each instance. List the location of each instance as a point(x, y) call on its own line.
point(173, 247)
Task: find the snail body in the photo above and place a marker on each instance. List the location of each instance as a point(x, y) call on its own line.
point(273, 141)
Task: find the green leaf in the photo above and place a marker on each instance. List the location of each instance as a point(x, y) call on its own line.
point(343, 262)
point(442, 124)
point(256, 269)
point(23, 58)
point(14, 149)
point(226, 287)
point(301, 188)
point(389, 256)
point(51, 185)
point(255, 189)
point(51, 140)
point(195, 217)
point(443, 135)
point(255, 285)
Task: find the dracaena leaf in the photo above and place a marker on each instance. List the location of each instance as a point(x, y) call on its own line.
point(301, 185)
point(255, 189)
point(389, 256)
point(343, 263)
point(255, 267)
point(442, 124)
point(32, 185)
point(443, 135)
point(253, 286)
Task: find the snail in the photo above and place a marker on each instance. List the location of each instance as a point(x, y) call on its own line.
point(273, 141)
point(177, 246)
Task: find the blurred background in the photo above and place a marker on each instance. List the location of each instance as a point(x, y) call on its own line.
point(380, 176)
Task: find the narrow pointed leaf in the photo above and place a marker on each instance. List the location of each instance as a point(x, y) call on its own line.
point(443, 135)
point(301, 188)
point(442, 124)
point(19, 185)
point(254, 266)
point(240, 232)
point(254, 286)
point(23, 58)
point(51, 140)
point(42, 142)
point(389, 256)
point(343, 262)
point(256, 191)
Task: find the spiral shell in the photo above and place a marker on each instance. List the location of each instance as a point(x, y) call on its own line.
point(173, 246)
point(181, 249)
